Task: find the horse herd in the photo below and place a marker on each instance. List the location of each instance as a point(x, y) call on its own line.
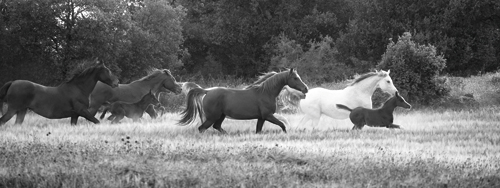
point(96, 87)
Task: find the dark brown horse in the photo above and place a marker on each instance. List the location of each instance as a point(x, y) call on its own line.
point(256, 102)
point(380, 117)
point(156, 81)
point(70, 99)
point(133, 111)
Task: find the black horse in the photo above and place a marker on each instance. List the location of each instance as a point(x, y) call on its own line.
point(380, 117)
point(134, 111)
point(70, 99)
point(256, 102)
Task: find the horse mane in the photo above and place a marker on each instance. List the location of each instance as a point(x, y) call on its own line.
point(261, 79)
point(367, 75)
point(268, 80)
point(152, 73)
point(81, 71)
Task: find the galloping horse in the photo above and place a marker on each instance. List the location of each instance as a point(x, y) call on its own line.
point(380, 117)
point(70, 99)
point(133, 92)
point(256, 102)
point(321, 101)
point(133, 111)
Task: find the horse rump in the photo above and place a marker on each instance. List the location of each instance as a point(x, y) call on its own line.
point(194, 106)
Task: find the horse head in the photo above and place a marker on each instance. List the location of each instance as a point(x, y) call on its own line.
point(400, 101)
point(106, 76)
point(169, 83)
point(385, 83)
point(151, 99)
point(295, 82)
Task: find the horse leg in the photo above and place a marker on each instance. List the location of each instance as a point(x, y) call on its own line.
point(111, 117)
point(315, 121)
point(7, 116)
point(118, 117)
point(260, 124)
point(304, 120)
point(276, 121)
point(218, 123)
point(74, 119)
point(203, 127)
point(20, 116)
point(393, 126)
point(152, 112)
point(283, 119)
point(358, 126)
point(81, 110)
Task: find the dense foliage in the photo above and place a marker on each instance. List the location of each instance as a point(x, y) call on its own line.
point(42, 40)
point(415, 68)
point(328, 40)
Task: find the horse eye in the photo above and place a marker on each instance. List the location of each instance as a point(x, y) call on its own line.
point(388, 81)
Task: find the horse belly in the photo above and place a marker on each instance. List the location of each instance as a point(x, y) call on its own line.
point(323, 101)
point(378, 120)
point(240, 105)
point(133, 112)
point(52, 110)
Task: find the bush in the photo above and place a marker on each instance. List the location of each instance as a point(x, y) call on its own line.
point(415, 69)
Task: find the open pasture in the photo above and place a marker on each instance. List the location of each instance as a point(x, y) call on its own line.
point(434, 149)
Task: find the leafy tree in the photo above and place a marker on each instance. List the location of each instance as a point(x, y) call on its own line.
point(44, 39)
point(414, 69)
point(317, 64)
point(236, 34)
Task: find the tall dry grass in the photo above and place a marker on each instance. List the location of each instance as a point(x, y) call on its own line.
point(434, 149)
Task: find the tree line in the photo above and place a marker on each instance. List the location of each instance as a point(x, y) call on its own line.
point(327, 40)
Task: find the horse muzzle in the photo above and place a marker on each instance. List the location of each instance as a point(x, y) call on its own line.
point(305, 90)
point(178, 90)
point(407, 106)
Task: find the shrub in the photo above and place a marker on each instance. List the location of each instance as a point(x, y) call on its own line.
point(414, 69)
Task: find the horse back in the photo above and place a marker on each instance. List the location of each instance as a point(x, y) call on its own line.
point(49, 102)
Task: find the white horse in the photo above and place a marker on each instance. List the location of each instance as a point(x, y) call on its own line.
point(359, 93)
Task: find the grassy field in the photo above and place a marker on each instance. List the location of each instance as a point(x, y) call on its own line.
point(435, 149)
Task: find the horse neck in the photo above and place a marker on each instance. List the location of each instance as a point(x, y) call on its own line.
point(274, 84)
point(389, 105)
point(150, 84)
point(367, 86)
point(85, 83)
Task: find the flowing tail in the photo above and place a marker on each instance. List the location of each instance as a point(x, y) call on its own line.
point(344, 107)
point(3, 93)
point(4, 89)
point(193, 107)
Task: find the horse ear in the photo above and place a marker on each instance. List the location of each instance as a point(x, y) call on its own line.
point(388, 71)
